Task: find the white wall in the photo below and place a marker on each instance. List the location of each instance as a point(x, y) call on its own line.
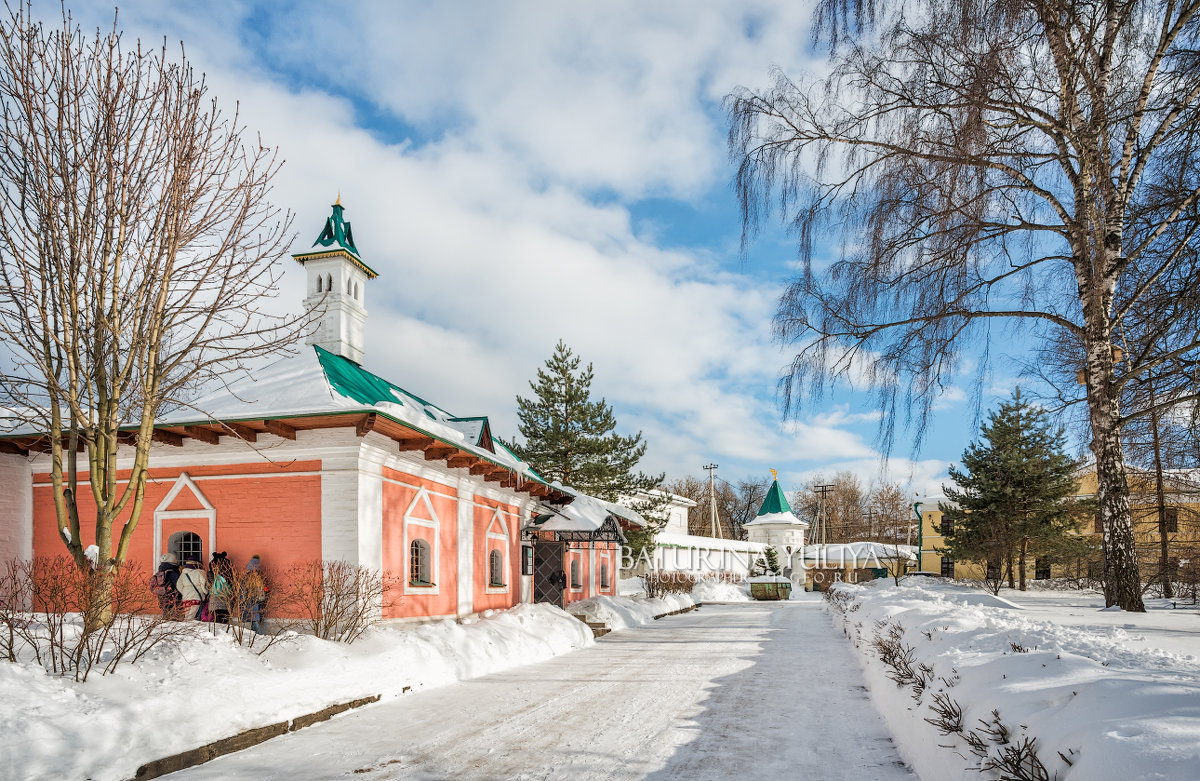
point(16, 507)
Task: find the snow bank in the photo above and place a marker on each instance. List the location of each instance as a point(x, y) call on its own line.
point(1098, 706)
point(180, 698)
point(631, 587)
point(718, 591)
point(623, 613)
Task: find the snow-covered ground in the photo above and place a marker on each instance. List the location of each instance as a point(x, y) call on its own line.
point(1105, 694)
point(719, 591)
point(211, 688)
point(756, 690)
point(625, 612)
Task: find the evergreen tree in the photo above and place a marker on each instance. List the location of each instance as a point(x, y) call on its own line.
point(773, 567)
point(767, 564)
point(1012, 493)
point(572, 439)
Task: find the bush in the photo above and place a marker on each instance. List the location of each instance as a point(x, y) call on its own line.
point(334, 600)
point(659, 583)
point(71, 620)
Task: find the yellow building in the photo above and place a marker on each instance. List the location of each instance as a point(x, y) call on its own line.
point(1182, 512)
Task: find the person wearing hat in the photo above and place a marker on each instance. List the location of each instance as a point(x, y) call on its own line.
point(254, 594)
point(164, 583)
point(220, 588)
point(193, 588)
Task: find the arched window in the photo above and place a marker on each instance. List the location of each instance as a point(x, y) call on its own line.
point(603, 574)
point(320, 283)
point(575, 581)
point(186, 545)
point(355, 291)
point(419, 564)
point(496, 569)
point(329, 282)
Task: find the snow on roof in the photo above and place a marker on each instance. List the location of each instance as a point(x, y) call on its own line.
point(295, 385)
point(669, 540)
point(585, 514)
point(320, 382)
point(623, 512)
point(785, 518)
point(858, 552)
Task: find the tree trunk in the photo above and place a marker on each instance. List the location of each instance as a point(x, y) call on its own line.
point(1160, 496)
point(1008, 564)
point(1122, 583)
point(1021, 560)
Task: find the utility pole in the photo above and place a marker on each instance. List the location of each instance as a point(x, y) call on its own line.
point(870, 524)
point(712, 500)
point(822, 519)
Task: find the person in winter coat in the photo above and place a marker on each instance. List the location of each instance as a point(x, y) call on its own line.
point(193, 589)
point(254, 593)
point(168, 599)
point(220, 587)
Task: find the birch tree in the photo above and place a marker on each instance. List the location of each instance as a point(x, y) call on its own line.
point(137, 246)
point(1020, 167)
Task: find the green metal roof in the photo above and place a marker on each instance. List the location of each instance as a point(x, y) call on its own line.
point(775, 502)
point(335, 236)
point(356, 383)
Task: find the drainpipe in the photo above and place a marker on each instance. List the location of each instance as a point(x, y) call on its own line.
point(920, 534)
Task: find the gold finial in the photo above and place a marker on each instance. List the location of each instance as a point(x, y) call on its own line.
point(774, 474)
point(338, 202)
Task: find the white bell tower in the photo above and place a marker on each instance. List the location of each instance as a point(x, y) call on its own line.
point(337, 281)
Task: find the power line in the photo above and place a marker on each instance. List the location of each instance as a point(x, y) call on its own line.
point(712, 497)
point(822, 530)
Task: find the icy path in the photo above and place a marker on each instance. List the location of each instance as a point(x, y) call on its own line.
point(726, 692)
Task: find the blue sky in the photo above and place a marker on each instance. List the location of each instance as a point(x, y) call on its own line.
point(524, 172)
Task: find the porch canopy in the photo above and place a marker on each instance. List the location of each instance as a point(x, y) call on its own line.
point(585, 519)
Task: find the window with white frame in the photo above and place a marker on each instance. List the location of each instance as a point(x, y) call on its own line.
point(604, 574)
point(420, 571)
point(576, 582)
point(496, 569)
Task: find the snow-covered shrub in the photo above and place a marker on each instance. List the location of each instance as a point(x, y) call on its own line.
point(659, 583)
point(333, 600)
point(71, 620)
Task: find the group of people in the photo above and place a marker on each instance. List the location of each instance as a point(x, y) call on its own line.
point(191, 593)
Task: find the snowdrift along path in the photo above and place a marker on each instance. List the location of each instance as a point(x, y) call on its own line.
point(729, 691)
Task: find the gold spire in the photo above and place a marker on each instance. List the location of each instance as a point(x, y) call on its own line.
point(338, 202)
point(774, 474)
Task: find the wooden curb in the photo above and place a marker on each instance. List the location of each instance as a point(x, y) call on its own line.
point(677, 612)
point(244, 740)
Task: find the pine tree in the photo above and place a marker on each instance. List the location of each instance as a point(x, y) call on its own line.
point(572, 439)
point(1012, 492)
point(772, 561)
point(767, 564)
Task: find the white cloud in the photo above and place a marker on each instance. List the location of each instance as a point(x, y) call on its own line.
point(507, 225)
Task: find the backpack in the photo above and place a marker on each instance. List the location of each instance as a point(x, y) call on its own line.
point(158, 584)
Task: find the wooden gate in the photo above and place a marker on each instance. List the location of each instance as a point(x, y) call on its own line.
point(548, 575)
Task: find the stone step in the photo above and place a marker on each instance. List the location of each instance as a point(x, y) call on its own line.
point(599, 628)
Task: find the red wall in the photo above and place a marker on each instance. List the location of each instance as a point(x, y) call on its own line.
point(400, 491)
point(485, 513)
point(260, 509)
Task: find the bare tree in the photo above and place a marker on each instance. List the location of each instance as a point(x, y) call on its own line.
point(891, 514)
point(1023, 162)
point(137, 247)
point(845, 506)
point(736, 504)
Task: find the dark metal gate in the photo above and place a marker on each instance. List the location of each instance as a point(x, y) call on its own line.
point(548, 575)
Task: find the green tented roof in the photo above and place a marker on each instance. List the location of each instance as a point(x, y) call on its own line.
point(336, 235)
point(775, 502)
